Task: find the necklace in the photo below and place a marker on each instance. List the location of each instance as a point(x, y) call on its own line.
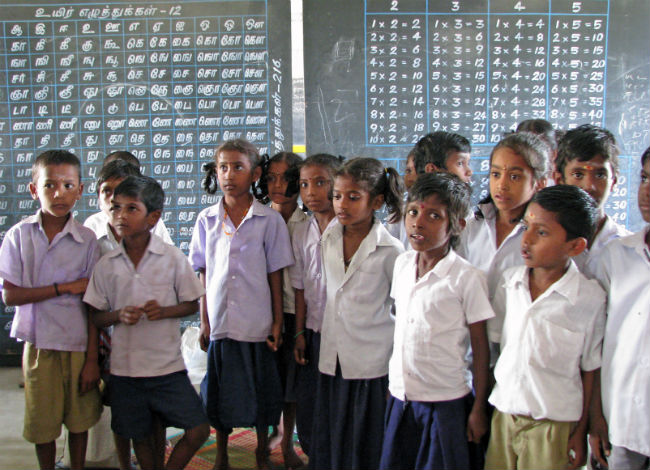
point(223, 222)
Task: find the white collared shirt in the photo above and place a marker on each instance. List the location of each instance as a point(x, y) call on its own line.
point(546, 343)
point(357, 325)
point(478, 245)
point(588, 259)
point(307, 272)
point(237, 262)
point(624, 270)
point(148, 348)
point(289, 295)
point(432, 321)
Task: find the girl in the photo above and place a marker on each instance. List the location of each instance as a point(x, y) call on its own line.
point(316, 182)
point(491, 241)
point(441, 306)
point(358, 256)
point(281, 179)
point(239, 247)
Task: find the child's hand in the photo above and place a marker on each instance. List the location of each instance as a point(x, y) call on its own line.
point(75, 287)
point(153, 310)
point(577, 448)
point(599, 439)
point(204, 337)
point(130, 315)
point(89, 377)
point(299, 350)
point(477, 425)
point(274, 340)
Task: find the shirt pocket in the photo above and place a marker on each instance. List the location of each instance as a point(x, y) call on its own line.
point(554, 348)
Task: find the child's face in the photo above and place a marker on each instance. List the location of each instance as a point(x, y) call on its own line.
point(106, 193)
point(352, 202)
point(512, 181)
point(427, 225)
point(129, 216)
point(234, 173)
point(457, 163)
point(595, 176)
point(409, 173)
point(544, 244)
point(315, 188)
point(644, 192)
point(277, 183)
point(57, 187)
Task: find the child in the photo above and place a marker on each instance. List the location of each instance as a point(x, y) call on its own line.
point(45, 262)
point(282, 184)
point(409, 172)
point(142, 288)
point(397, 229)
point(624, 271)
point(550, 341)
point(544, 130)
point(441, 305)
point(443, 151)
point(356, 340)
point(107, 180)
point(588, 159)
point(316, 182)
point(492, 238)
point(240, 247)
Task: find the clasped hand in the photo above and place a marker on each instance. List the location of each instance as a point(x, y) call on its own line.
point(130, 315)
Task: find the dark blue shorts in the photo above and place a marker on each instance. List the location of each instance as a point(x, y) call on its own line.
point(134, 400)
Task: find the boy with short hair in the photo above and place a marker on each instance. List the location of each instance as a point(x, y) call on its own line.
point(588, 158)
point(45, 262)
point(550, 340)
point(624, 270)
point(142, 288)
point(443, 151)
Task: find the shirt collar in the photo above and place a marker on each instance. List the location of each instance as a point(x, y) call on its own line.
point(637, 240)
point(297, 216)
point(218, 209)
point(442, 267)
point(378, 233)
point(156, 246)
point(70, 226)
point(567, 286)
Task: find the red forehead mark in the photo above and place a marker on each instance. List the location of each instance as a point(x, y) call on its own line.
point(421, 205)
point(587, 167)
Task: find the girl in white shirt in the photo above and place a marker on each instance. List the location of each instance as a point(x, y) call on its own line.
point(357, 337)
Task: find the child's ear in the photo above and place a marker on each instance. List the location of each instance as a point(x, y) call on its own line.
point(33, 190)
point(540, 183)
point(558, 177)
point(378, 202)
point(153, 217)
point(81, 191)
point(577, 246)
point(431, 168)
point(257, 173)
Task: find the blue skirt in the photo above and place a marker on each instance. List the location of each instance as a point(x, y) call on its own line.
point(287, 364)
point(306, 381)
point(241, 387)
point(348, 422)
point(428, 435)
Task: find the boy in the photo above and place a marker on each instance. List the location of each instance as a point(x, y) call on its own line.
point(588, 158)
point(142, 288)
point(550, 340)
point(624, 270)
point(45, 262)
point(409, 173)
point(397, 229)
point(443, 151)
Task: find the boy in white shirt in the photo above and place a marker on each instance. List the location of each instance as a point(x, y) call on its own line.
point(550, 341)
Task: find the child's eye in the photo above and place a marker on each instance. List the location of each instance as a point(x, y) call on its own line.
point(601, 175)
point(336, 196)
point(321, 183)
point(495, 174)
point(577, 175)
point(434, 215)
point(542, 233)
point(644, 178)
point(515, 177)
point(524, 227)
point(412, 212)
point(69, 186)
point(303, 184)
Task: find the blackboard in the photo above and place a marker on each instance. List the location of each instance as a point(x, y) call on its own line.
point(167, 81)
point(379, 74)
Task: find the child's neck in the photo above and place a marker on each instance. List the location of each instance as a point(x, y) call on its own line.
point(324, 218)
point(599, 226)
point(427, 260)
point(237, 207)
point(540, 279)
point(285, 210)
point(506, 221)
point(53, 225)
point(136, 246)
point(353, 235)
point(117, 237)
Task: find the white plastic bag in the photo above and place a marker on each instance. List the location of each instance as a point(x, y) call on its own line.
point(196, 360)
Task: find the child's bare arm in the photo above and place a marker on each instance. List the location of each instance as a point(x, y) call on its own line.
point(301, 314)
point(129, 315)
point(275, 283)
point(90, 374)
point(16, 295)
point(578, 439)
point(154, 311)
point(598, 430)
point(204, 337)
point(477, 423)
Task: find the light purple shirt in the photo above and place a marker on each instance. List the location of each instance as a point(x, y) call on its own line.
point(236, 262)
point(307, 272)
point(28, 259)
point(148, 348)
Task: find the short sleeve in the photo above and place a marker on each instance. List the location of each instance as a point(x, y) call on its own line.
point(297, 271)
point(92, 257)
point(592, 352)
point(277, 244)
point(96, 292)
point(161, 230)
point(475, 301)
point(197, 245)
point(11, 266)
point(188, 286)
point(495, 325)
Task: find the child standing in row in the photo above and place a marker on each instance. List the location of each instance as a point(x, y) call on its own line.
point(442, 306)
point(316, 182)
point(356, 340)
point(240, 247)
point(45, 263)
point(550, 341)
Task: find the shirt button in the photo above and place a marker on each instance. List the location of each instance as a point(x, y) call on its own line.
point(411, 320)
point(137, 276)
point(318, 276)
point(233, 277)
point(638, 400)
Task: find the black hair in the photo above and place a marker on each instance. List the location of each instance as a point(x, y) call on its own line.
point(327, 161)
point(210, 182)
point(575, 210)
point(584, 143)
point(436, 148)
point(542, 128)
point(645, 156)
point(55, 157)
point(116, 169)
point(377, 180)
point(292, 174)
point(451, 191)
point(122, 155)
point(143, 188)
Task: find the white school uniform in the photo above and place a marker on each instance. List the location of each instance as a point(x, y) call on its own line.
point(289, 296)
point(398, 230)
point(478, 245)
point(587, 260)
point(624, 271)
point(148, 348)
point(307, 272)
point(357, 325)
point(546, 343)
point(431, 327)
